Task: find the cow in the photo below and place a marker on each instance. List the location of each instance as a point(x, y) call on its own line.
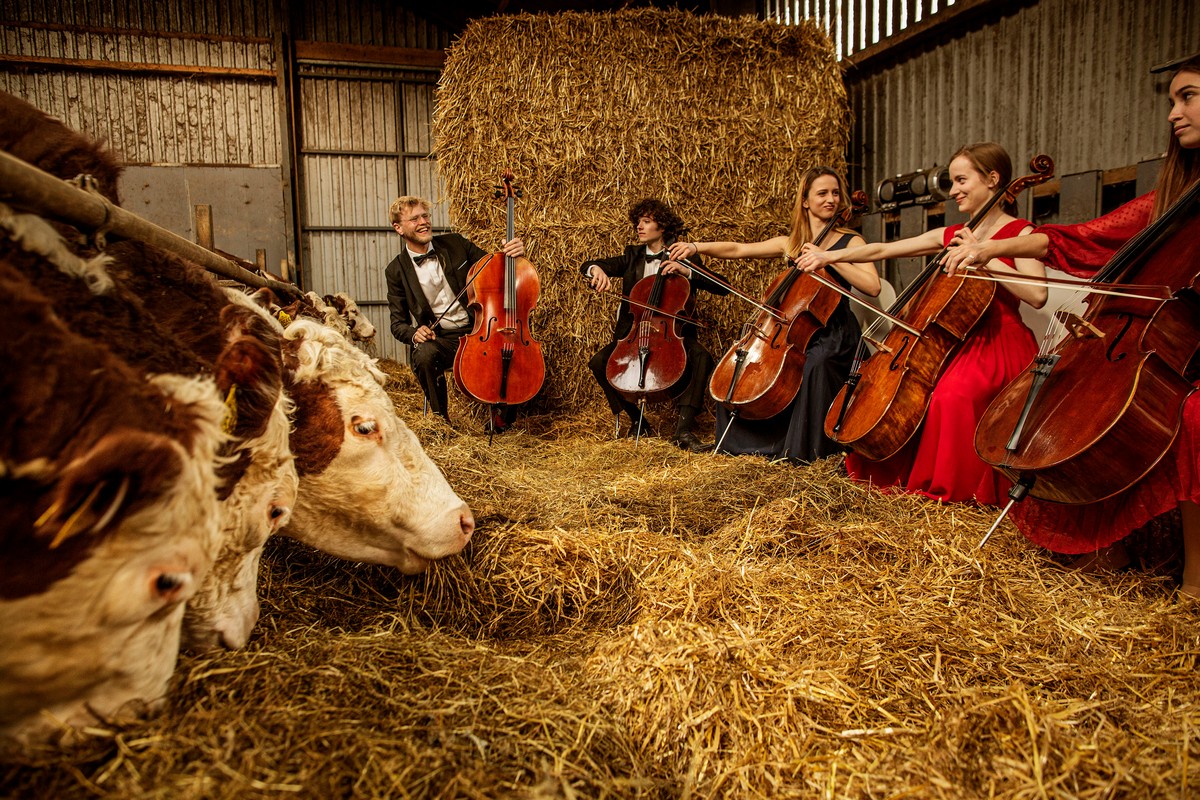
point(162, 315)
point(328, 314)
point(368, 491)
point(361, 329)
point(258, 501)
point(109, 518)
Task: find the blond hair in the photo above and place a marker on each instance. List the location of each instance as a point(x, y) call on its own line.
point(802, 231)
point(401, 204)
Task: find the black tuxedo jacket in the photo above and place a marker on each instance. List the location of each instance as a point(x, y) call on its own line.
point(629, 267)
point(405, 298)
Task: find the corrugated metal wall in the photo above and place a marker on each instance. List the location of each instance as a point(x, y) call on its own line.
point(856, 25)
point(1064, 77)
point(369, 23)
point(365, 139)
point(176, 82)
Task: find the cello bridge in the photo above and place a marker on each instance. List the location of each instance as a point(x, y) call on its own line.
point(1077, 326)
point(878, 345)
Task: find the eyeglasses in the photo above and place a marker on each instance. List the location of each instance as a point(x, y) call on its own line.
point(418, 217)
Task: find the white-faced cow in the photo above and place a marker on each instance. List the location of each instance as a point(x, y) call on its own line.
point(161, 315)
point(361, 328)
point(368, 491)
point(108, 518)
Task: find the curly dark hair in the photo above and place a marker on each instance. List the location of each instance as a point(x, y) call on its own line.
point(660, 212)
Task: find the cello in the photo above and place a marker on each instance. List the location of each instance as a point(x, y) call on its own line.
point(884, 400)
point(760, 374)
point(652, 359)
point(498, 362)
point(1124, 361)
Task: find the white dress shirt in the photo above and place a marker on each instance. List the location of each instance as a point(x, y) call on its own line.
point(438, 292)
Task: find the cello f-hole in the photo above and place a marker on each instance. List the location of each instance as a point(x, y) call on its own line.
point(899, 354)
point(1108, 354)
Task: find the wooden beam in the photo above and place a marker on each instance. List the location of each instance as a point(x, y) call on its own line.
point(90, 65)
point(1119, 175)
point(369, 54)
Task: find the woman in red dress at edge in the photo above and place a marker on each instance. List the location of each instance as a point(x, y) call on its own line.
point(1098, 528)
point(940, 460)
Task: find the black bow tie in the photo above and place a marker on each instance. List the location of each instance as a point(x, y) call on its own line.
point(656, 256)
point(421, 259)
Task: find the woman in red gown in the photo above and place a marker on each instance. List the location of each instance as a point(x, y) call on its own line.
point(940, 460)
point(1081, 250)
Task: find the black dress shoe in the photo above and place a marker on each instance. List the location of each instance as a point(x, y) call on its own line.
point(689, 441)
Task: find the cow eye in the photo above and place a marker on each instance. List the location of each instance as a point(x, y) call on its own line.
point(366, 427)
point(169, 586)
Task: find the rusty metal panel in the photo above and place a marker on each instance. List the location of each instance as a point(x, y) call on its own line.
point(1064, 77)
point(345, 114)
point(163, 83)
point(158, 120)
point(247, 205)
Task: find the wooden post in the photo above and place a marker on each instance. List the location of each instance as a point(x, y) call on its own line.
point(202, 217)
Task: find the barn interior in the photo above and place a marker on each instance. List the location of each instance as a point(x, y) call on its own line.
point(631, 620)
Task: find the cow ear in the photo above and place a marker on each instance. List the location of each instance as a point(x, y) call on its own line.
point(123, 472)
point(264, 298)
point(249, 377)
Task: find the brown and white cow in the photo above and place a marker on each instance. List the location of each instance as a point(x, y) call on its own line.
point(370, 493)
point(108, 518)
point(361, 328)
point(162, 315)
point(368, 490)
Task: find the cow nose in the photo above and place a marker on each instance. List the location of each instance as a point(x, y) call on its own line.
point(466, 521)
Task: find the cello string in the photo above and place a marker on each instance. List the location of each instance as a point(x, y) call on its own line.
point(984, 274)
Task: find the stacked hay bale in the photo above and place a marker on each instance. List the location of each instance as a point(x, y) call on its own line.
point(592, 112)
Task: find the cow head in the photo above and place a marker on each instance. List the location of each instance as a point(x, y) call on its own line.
point(360, 327)
point(260, 485)
point(103, 552)
point(368, 491)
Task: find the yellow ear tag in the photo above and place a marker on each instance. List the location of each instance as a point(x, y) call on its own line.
point(230, 422)
point(285, 319)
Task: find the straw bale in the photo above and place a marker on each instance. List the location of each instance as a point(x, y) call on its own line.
point(718, 116)
point(637, 621)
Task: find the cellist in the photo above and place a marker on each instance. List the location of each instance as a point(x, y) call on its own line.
point(940, 460)
point(425, 284)
point(656, 226)
point(797, 433)
point(1097, 530)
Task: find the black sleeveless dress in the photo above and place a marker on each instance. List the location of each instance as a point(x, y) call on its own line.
point(797, 433)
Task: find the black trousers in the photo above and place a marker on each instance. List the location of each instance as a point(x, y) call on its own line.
point(430, 360)
point(692, 388)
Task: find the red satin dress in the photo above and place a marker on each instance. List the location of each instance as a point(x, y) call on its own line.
point(940, 461)
point(1081, 250)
